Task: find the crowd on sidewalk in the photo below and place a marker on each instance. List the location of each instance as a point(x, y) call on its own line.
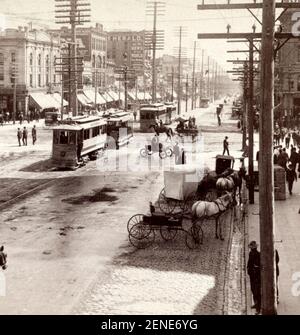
point(289, 161)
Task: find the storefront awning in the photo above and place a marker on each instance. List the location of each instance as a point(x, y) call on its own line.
point(90, 94)
point(84, 100)
point(44, 101)
point(131, 95)
point(114, 95)
point(57, 97)
point(107, 97)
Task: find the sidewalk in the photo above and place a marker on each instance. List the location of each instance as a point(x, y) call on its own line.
point(287, 242)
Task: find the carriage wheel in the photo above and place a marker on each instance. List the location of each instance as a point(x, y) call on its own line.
point(169, 152)
point(167, 233)
point(141, 236)
point(165, 204)
point(194, 237)
point(143, 152)
point(162, 154)
point(135, 219)
point(188, 202)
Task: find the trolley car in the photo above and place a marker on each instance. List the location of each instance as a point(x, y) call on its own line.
point(119, 128)
point(78, 137)
point(150, 114)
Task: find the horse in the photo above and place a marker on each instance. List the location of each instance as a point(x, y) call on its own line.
point(207, 209)
point(163, 130)
point(3, 258)
point(237, 178)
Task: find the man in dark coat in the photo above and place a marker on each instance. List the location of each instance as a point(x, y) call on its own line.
point(19, 136)
point(253, 270)
point(277, 273)
point(25, 135)
point(294, 158)
point(34, 136)
point(291, 176)
point(226, 146)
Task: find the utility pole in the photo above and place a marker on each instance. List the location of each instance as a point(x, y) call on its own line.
point(193, 78)
point(172, 95)
point(208, 81)
point(201, 80)
point(179, 71)
point(96, 86)
point(154, 40)
point(14, 75)
point(186, 92)
point(251, 124)
point(74, 12)
point(266, 177)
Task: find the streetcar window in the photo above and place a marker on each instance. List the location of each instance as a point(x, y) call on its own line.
point(103, 129)
point(63, 138)
point(72, 137)
point(96, 131)
point(55, 136)
point(86, 134)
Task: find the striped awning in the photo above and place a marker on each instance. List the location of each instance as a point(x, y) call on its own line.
point(90, 94)
point(84, 100)
point(44, 101)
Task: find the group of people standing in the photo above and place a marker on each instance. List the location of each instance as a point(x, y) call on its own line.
point(22, 135)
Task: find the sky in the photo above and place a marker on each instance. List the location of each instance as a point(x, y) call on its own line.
point(131, 15)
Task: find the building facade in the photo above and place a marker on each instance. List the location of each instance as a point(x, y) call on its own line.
point(288, 76)
point(92, 47)
point(27, 60)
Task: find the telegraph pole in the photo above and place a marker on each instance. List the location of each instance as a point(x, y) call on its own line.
point(186, 92)
point(201, 81)
point(96, 87)
point(250, 124)
point(74, 12)
point(266, 177)
point(154, 40)
point(14, 75)
point(193, 78)
point(179, 71)
point(208, 81)
point(172, 96)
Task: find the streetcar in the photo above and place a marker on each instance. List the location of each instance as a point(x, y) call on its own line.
point(119, 127)
point(151, 114)
point(78, 137)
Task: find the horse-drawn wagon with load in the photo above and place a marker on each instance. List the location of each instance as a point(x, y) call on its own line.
point(184, 197)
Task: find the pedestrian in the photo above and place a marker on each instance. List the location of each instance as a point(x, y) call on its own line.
point(19, 136)
point(226, 146)
point(294, 158)
point(287, 140)
point(1, 119)
point(219, 120)
point(134, 115)
point(253, 270)
point(277, 273)
point(21, 118)
point(176, 152)
point(291, 176)
point(25, 135)
point(34, 135)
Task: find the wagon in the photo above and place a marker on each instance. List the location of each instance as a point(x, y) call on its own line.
point(180, 190)
point(142, 229)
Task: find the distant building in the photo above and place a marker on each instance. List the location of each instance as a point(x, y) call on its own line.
point(92, 46)
point(288, 74)
point(29, 55)
point(131, 44)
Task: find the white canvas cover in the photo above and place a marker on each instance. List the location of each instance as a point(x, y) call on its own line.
point(180, 183)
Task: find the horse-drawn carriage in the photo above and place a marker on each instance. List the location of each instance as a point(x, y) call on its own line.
point(185, 128)
point(184, 197)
